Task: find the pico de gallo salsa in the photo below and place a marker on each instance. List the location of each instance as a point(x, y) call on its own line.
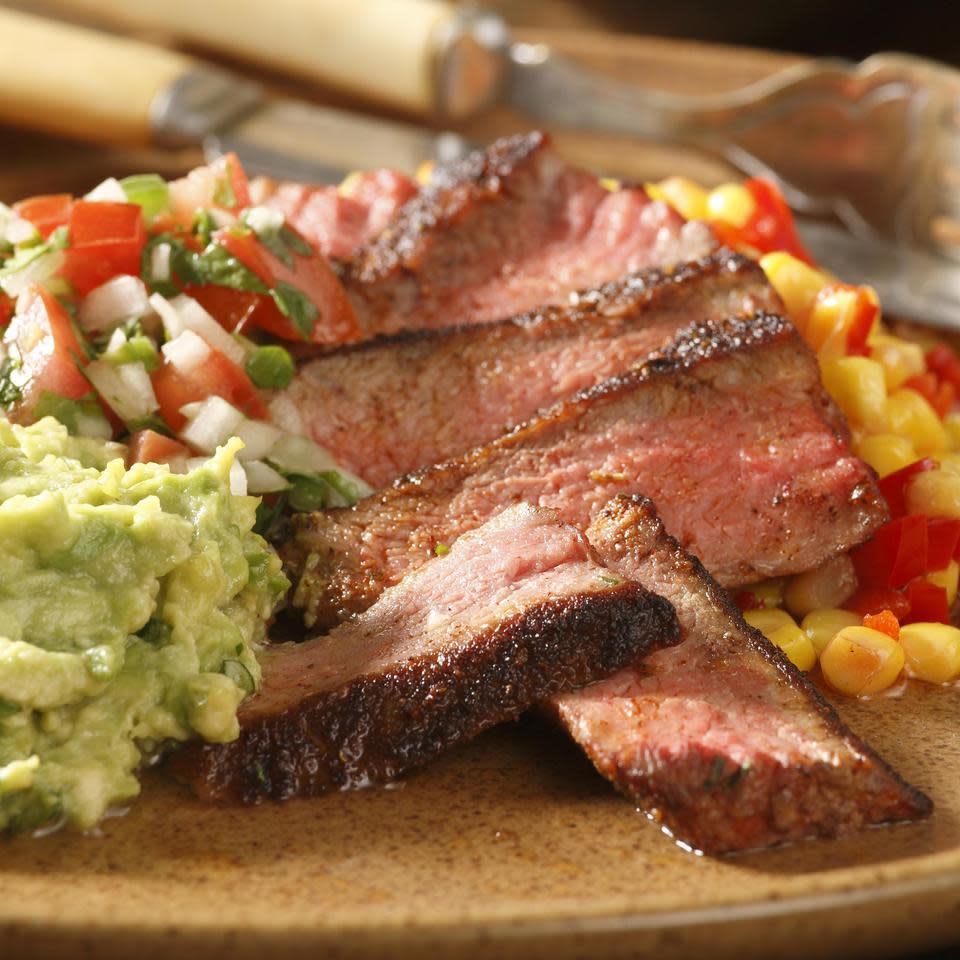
point(162, 313)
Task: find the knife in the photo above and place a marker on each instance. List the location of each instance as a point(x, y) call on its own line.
point(85, 84)
point(138, 93)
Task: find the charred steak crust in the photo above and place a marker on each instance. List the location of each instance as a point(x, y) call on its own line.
point(379, 726)
point(342, 559)
point(502, 373)
point(756, 756)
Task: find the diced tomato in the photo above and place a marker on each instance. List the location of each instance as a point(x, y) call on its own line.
point(928, 603)
point(6, 309)
point(232, 309)
point(896, 554)
point(771, 226)
point(148, 446)
point(943, 542)
point(216, 376)
point(221, 184)
point(46, 212)
point(106, 239)
point(312, 275)
point(50, 351)
point(893, 485)
point(874, 600)
point(885, 621)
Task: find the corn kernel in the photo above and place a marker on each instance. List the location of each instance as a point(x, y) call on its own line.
point(424, 172)
point(609, 183)
point(795, 282)
point(949, 462)
point(689, 199)
point(828, 585)
point(935, 493)
point(821, 626)
point(885, 452)
point(909, 415)
point(948, 579)
point(731, 203)
point(860, 661)
point(767, 621)
point(349, 183)
point(796, 645)
point(767, 593)
point(831, 317)
point(899, 358)
point(858, 386)
point(932, 651)
point(951, 423)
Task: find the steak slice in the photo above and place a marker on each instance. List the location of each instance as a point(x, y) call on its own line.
point(519, 610)
point(720, 739)
point(728, 429)
point(389, 406)
point(506, 230)
point(336, 220)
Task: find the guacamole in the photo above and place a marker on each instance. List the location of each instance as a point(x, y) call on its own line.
point(131, 606)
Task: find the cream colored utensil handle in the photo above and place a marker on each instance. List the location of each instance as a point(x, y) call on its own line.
point(80, 83)
point(423, 56)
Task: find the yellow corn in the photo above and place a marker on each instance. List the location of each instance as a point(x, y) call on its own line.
point(689, 199)
point(950, 462)
point(767, 621)
point(731, 203)
point(768, 593)
point(932, 651)
point(859, 661)
point(821, 626)
point(796, 645)
point(424, 172)
point(859, 387)
point(795, 282)
point(826, 586)
point(909, 415)
point(948, 579)
point(951, 423)
point(608, 183)
point(349, 183)
point(935, 493)
point(831, 317)
point(899, 358)
point(885, 452)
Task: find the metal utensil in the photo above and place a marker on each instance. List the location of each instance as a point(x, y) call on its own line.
point(875, 144)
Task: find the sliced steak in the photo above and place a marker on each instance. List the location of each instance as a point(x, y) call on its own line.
point(720, 739)
point(728, 429)
point(518, 610)
point(389, 406)
point(337, 220)
point(506, 230)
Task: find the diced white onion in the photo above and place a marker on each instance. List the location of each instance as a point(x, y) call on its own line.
point(297, 454)
point(120, 299)
point(93, 425)
point(160, 261)
point(262, 478)
point(117, 339)
point(215, 422)
point(126, 388)
point(109, 190)
point(186, 351)
point(36, 271)
point(258, 438)
point(264, 219)
point(18, 230)
point(184, 313)
point(189, 410)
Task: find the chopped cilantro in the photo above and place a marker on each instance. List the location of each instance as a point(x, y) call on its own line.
point(441, 549)
point(296, 306)
point(223, 193)
point(10, 392)
point(270, 367)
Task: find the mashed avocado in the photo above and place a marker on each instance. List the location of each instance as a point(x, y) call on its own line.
point(131, 603)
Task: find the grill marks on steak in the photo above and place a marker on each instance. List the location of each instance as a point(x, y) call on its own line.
point(517, 611)
point(390, 406)
point(728, 430)
point(720, 738)
point(506, 230)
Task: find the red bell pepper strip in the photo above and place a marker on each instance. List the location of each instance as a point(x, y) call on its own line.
point(943, 542)
point(896, 554)
point(874, 600)
point(928, 603)
point(893, 485)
